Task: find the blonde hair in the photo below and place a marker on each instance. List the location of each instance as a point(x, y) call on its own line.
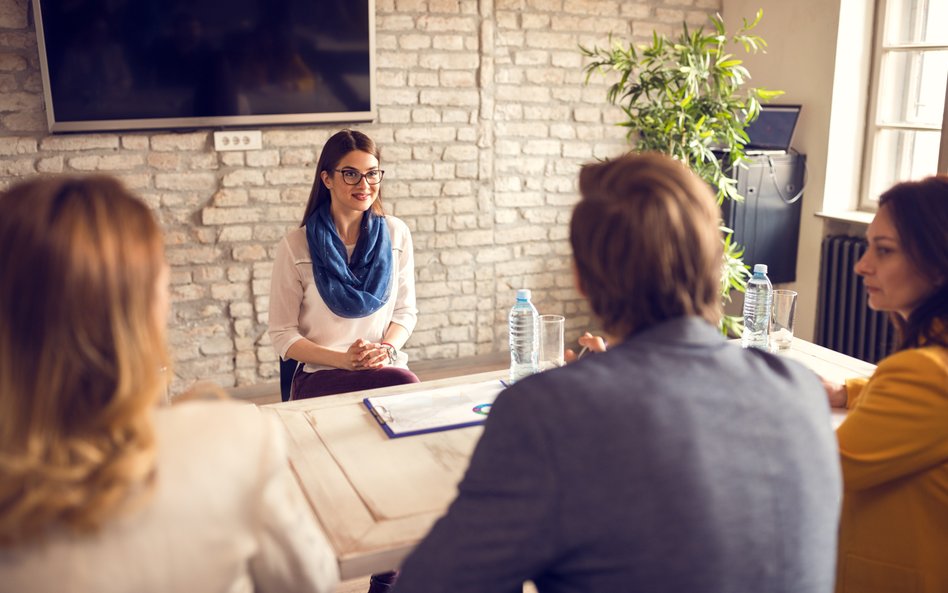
point(646, 243)
point(81, 347)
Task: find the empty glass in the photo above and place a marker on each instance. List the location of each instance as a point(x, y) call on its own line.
point(551, 341)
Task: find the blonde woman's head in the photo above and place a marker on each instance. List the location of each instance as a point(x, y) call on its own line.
point(83, 301)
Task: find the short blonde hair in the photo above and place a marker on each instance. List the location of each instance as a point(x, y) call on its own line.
point(81, 349)
point(646, 243)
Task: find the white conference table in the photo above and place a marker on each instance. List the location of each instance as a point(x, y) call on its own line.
point(377, 497)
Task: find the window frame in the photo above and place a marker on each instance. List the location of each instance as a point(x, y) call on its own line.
point(874, 127)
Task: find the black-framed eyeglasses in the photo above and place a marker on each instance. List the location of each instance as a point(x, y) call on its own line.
point(353, 177)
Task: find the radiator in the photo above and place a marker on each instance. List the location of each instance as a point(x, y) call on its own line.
point(845, 322)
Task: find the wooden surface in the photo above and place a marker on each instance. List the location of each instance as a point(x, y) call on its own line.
point(377, 497)
point(426, 370)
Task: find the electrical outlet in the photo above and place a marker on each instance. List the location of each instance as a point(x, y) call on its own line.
point(238, 140)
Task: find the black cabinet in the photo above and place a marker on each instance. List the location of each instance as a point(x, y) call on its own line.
point(767, 222)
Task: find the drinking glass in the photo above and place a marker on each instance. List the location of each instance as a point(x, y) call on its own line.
point(783, 312)
point(551, 341)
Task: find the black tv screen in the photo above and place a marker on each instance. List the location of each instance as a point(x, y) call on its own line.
point(139, 64)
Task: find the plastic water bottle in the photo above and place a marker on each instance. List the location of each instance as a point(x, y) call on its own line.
point(524, 325)
point(757, 302)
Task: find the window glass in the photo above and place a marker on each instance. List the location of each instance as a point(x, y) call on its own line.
point(900, 155)
point(916, 21)
point(913, 87)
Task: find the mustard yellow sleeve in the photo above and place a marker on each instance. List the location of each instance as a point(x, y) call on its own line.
point(899, 423)
point(854, 388)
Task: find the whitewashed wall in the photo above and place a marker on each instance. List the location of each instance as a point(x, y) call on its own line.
point(483, 122)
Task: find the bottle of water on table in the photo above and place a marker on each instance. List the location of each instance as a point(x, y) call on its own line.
point(757, 302)
point(524, 330)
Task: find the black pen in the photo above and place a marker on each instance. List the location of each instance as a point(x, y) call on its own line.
point(583, 351)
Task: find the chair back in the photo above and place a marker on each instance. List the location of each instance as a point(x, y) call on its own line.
point(287, 371)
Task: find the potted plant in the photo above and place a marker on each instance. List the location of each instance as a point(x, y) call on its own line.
point(687, 98)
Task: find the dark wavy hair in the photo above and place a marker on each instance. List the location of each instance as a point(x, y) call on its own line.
point(339, 145)
point(919, 211)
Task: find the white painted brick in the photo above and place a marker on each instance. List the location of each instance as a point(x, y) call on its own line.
point(243, 178)
point(287, 138)
point(250, 253)
point(50, 165)
point(414, 208)
point(445, 6)
point(591, 7)
point(114, 162)
point(201, 162)
point(287, 176)
point(15, 145)
point(546, 76)
point(230, 197)
point(391, 59)
point(20, 102)
point(187, 141)
point(229, 292)
point(545, 147)
point(447, 42)
point(263, 158)
point(214, 216)
point(457, 188)
point(78, 142)
point(567, 60)
point(425, 115)
point(414, 42)
point(531, 58)
point(449, 61)
point(232, 234)
point(527, 94)
point(394, 22)
point(587, 114)
point(423, 79)
point(399, 97)
point(394, 78)
point(457, 78)
point(441, 24)
point(135, 142)
point(466, 170)
point(17, 167)
point(299, 156)
point(165, 161)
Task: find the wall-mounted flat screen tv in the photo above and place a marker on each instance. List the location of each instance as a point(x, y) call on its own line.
point(179, 64)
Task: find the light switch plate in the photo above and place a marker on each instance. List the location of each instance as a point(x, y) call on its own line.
point(238, 140)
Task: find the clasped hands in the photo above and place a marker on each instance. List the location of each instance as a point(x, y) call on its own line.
point(363, 355)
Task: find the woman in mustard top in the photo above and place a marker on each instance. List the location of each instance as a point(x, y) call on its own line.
point(894, 442)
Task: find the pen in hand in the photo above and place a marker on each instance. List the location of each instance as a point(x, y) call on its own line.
point(583, 351)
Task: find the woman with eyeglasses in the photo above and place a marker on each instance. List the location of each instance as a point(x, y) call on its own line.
point(342, 294)
point(101, 488)
point(894, 442)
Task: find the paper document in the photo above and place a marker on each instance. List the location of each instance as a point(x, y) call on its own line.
point(444, 408)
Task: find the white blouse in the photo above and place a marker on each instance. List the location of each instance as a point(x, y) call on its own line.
point(298, 311)
point(226, 516)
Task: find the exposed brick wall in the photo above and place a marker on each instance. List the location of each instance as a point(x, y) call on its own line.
point(483, 120)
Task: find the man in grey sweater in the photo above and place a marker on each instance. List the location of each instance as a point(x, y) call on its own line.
point(674, 462)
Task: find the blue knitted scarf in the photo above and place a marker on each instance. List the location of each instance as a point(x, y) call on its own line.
point(361, 286)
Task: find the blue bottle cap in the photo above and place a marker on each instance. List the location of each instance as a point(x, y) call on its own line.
point(523, 294)
point(760, 268)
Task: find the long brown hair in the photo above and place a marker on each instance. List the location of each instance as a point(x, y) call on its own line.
point(338, 146)
point(646, 243)
point(81, 348)
point(919, 211)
